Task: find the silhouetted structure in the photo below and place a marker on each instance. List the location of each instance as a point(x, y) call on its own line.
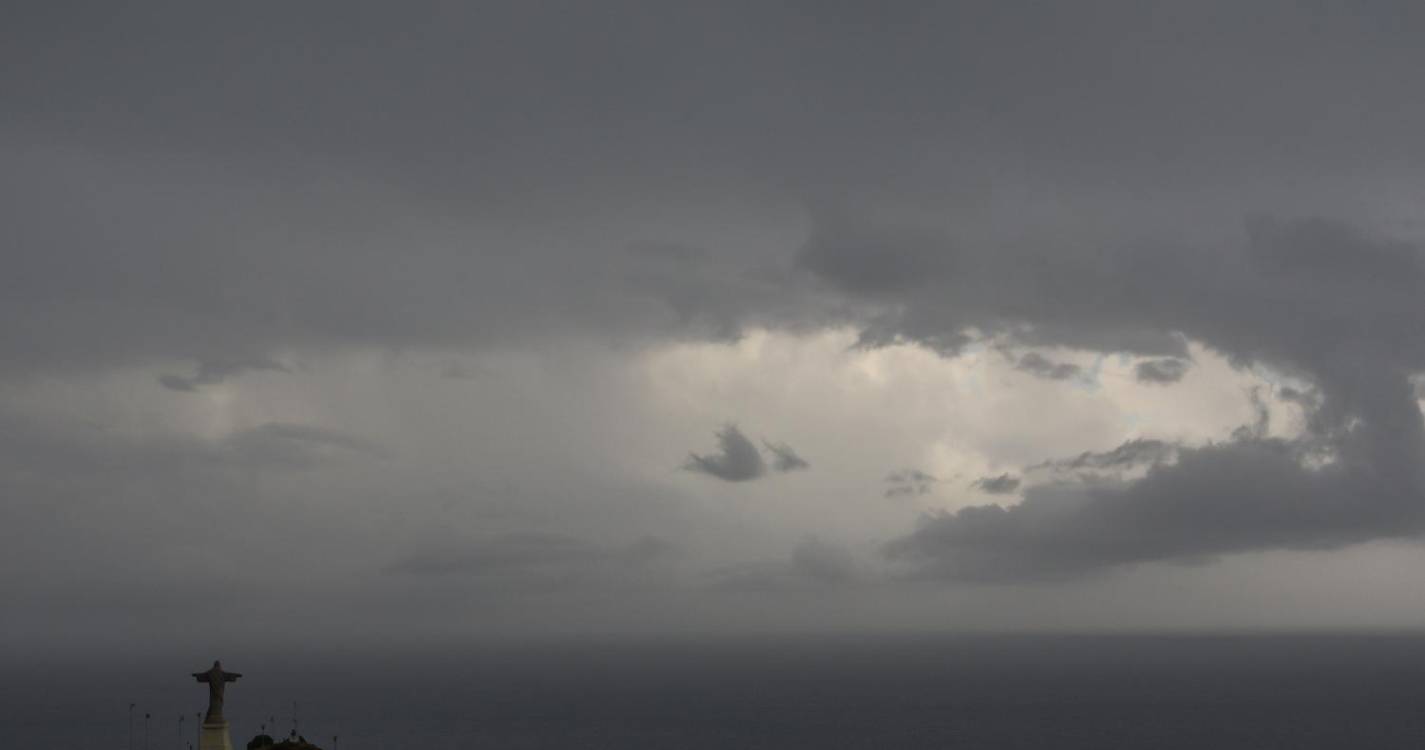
point(296, 742)
point(217, 681)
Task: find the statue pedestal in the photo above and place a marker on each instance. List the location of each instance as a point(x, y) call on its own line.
point(215, 737)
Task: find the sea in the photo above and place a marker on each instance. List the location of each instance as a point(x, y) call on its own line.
point(1037, 692)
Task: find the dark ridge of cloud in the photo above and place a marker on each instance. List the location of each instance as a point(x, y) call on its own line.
point(1161, 371)
point(1322, 491)
point(785, 458)
point(737, 459)
point(1003, 484)
point(909, 482)
point(1246, 495)
point(530, 552)
point(1040, 366)
point(179, 383)
point(1135, 452)
point(215, 371)
point(1113, 300)
point(889, 330)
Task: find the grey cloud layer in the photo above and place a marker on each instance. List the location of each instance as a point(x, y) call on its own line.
point(1041, 366)
point(1316, 298)
point(220, 187)
point(153, 214)
point(101, 512)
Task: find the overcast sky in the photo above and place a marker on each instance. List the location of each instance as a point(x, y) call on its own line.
point(434, 320)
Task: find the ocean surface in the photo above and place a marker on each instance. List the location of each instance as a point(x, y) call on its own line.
point(1039, 692)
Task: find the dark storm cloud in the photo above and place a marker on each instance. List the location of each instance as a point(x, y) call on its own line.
point(1160, 371)
point(1004, 484)
point(1232, 497)
point(737, 459)
point(480, 97)
point(1040, 366)
point(1281, 298)
point(153, 213)
point(199, 264)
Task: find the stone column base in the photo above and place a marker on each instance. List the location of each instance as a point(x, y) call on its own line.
point(215, 737)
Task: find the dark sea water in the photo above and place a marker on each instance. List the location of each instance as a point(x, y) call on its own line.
point(874, 692)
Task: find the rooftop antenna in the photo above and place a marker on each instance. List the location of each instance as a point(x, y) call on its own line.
point(131, 726)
